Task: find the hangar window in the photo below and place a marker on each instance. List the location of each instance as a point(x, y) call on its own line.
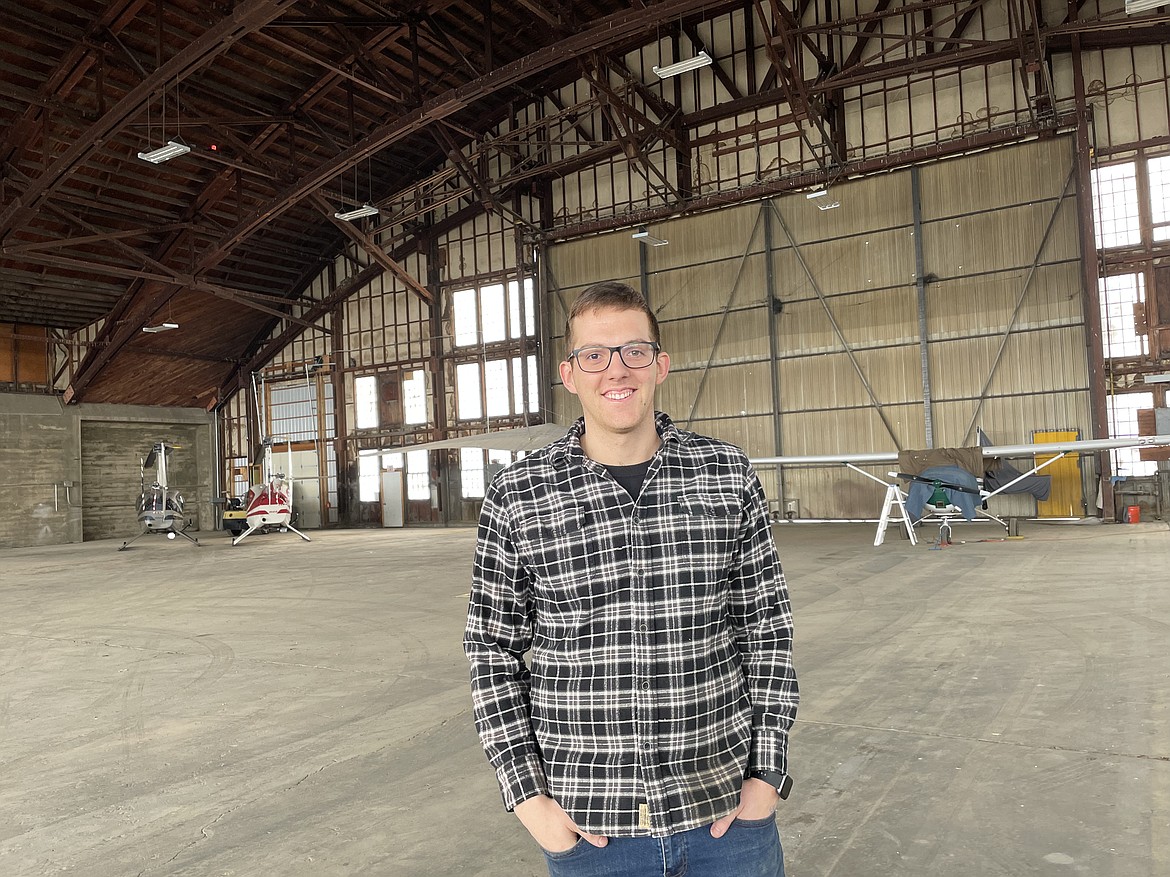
point(1159, 169)
point(521, 310)
point(418, 475)
point(1123, 423)
point(1122, 297)
point(414, 398)
point(1116, 217)
point(365, 395)
point(369, 477)
point(471, 472)
point(505, 382)
point(469, 402)
point(495, 380)
point(518, 387)
point(478, 467)
point(501, 381)
point(465, 315)
point(493, 312)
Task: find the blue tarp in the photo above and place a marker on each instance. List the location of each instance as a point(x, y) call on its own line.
point(920, 491)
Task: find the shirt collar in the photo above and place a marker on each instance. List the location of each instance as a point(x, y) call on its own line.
point(569, 447)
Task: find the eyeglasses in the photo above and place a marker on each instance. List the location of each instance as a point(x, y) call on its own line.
point(638, 354)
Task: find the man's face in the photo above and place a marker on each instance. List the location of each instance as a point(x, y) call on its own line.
point(620, 399)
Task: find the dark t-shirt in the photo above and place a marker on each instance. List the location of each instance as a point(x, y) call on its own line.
point(630, 477)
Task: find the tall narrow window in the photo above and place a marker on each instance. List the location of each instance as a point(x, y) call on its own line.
point(1123, 409)
point(495, 381)
point(365, 393)
point(493, 312)
point(414, 398)
point(369, 477)
point(471, 472)
point(518, 385)
point(521, 310)
point(1120, 294)
point(1115, 206)
point(464, 316)
point(469, 402)
point(1159, 170)
point(418, 475)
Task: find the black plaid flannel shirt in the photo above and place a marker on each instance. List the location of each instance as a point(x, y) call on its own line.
point(660, 635)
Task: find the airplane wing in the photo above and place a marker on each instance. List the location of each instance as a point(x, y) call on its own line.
point(1087, 446)
point(524, 438)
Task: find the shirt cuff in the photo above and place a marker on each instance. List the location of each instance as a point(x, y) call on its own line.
point(521, 779)
point(770, 753)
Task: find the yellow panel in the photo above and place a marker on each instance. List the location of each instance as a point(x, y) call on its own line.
point(1067, 497)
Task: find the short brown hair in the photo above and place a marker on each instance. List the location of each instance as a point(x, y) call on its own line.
point(610, 294)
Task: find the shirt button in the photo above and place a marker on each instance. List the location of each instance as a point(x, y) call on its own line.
point(643, 627)
point(645, 685)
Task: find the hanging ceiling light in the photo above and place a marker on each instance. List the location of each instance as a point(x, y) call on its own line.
point(644, 237)
point(1135, 6)
point(357, 212)
point(821, 198)
point(173, 149)
point(161, 327)
point(700, 60)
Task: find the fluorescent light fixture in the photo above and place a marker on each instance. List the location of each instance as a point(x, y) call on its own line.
point(173, 149)
point(1158, 379)
point(643, 236)
point(1132, 6)
point(700, 60)
point(161, 327)
point(358, 212)
point(822, 200)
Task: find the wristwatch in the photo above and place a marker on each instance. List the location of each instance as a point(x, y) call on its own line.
point(781, 782)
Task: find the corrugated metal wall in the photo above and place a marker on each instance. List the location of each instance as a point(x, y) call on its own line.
point(1001, 303)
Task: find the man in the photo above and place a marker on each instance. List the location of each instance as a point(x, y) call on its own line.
point(636, 563)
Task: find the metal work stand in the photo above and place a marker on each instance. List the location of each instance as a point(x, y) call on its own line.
point(894, 501)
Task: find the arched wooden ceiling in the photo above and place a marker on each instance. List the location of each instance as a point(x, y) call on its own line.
point(294, 109)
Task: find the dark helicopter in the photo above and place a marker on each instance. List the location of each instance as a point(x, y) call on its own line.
point(160, 509)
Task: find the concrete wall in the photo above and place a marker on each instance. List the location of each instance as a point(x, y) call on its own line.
point(42, 490)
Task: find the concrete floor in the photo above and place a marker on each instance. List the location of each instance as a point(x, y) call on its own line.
point(284, 708)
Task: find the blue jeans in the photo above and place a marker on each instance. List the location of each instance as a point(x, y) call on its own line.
point(750, 848)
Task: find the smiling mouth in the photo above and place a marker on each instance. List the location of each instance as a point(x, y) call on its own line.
point(618, 395)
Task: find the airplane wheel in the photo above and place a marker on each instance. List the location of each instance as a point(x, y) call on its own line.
point(1013, 526)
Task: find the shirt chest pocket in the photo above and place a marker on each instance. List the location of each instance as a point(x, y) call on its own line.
point(563, 555)
point(711, 521)
point(710, 505)
point(551, 541)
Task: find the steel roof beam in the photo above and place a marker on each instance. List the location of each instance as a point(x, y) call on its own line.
point(247, 17)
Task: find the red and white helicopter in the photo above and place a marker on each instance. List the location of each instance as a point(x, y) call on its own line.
point(269, 504)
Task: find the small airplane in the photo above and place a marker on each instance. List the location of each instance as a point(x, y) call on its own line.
point(160, 509)
point(897, 509)
point(269, 504)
